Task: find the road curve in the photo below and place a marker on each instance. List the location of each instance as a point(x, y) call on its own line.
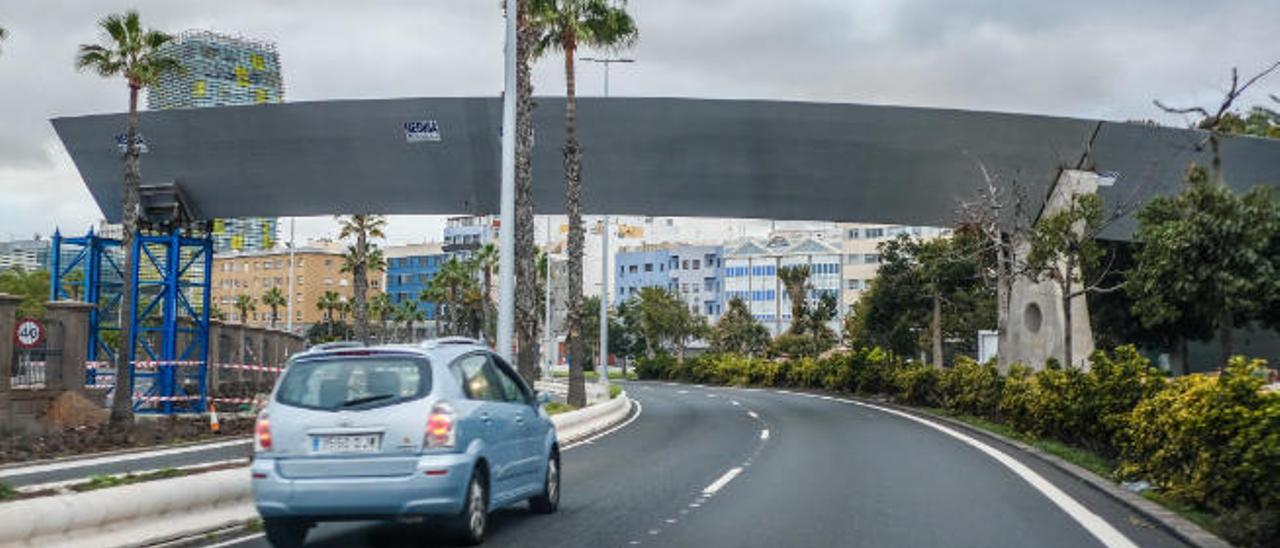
point(705, 466)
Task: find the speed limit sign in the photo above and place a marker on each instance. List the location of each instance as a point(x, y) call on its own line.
point(28, 334)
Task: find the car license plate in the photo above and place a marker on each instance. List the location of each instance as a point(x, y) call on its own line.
point(361, 443)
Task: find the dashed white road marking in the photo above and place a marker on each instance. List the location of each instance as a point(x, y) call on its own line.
point(735, 403)
point(712, 396)
point(723, 481)
point(753, 414)
point(764, 434)
point(682, 391)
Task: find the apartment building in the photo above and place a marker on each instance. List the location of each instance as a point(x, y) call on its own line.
point(315, 270)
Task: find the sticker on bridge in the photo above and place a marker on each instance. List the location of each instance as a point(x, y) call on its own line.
point(28, 334)
point(421, 131)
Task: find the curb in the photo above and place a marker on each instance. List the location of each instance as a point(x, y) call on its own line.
point(119, 452)
point(173, 510)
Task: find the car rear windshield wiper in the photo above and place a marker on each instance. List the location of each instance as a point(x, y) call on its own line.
point(366, 399)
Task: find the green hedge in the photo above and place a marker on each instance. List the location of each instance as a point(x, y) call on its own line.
point(1209, 442)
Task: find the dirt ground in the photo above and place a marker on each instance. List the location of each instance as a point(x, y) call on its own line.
point(145, 432)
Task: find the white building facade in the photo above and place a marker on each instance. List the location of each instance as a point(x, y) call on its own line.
point(859, 246)
point(750, 273)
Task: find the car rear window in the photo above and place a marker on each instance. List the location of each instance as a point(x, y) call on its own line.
point(354, 382)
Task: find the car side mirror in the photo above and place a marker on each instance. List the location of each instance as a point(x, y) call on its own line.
point(541, 398)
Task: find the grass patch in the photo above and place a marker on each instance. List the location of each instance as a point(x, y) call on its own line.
point(555, 408)
point(7, 491)
point(254, 524)
point(107, 481)
point(1199, 517)
point(614, 391)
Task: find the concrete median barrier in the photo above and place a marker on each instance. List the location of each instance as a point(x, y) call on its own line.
point(148, 512)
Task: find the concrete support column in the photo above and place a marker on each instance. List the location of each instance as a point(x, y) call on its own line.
point(1036, 318)
point(73, 317)
point(8, 320)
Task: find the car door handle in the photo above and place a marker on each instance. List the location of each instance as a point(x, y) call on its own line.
point(519, 419)
point(484, 417)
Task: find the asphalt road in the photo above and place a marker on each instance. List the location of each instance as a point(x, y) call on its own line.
point(173, 457)
point(826, 474)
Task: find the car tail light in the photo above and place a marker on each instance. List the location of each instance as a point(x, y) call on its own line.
point(262, 433)
point(441, 430)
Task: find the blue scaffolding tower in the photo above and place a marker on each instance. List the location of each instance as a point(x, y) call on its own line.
point(88, 269)
point(169, 317)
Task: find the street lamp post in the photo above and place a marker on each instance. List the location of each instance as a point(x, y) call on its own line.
point(507, 204)
point(604, 245)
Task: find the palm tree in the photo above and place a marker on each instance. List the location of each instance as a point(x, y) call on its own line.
point(382, 307)
point(408, 312)
point(484, 261)
point(132, 52)
point(344, 309)
point(274, 298)
point(327, 304)
point(244, 305)
point(564, 25)
point(362, 228)
point(449, 288)
point(527, 314)
point(795, 280)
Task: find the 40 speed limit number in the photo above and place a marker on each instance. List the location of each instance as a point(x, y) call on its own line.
point(28, 333)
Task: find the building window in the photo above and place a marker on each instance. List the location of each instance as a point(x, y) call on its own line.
point(685, 264)
point(873, 233)
point(631, 269)
point(328, 262)
point(648, 267)
point(328, 282)
point(697, 264)
point(871, 258)
point(851, 234)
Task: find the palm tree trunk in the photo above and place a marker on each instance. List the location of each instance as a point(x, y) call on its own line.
point(1226, 331)
point(122, 405)
point(360, 281)
point(526, 272)
point(935, 329)
point(573, 192)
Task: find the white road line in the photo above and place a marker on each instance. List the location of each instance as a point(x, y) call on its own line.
point(753, 414)
point(682, 391)
point(234, 541)
point(114, 459)
point(712, 396)
point(735, 403)
point(639, 409)
point(723, 481)
point(764, 434)
point(1098, 527)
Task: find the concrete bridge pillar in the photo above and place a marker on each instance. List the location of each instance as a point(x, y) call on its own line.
point(1036, 319)
point(8, 319)
point(72, 317)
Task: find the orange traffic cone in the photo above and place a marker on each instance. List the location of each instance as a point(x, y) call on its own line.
point(214, 425)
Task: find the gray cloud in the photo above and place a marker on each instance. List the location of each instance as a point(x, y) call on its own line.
point(1088, 58)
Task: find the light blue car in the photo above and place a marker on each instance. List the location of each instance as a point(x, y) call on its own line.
point(446, 429)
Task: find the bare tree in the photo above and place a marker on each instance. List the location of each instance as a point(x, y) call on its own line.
point(1215, 121)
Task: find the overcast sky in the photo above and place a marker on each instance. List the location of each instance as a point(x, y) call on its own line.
point(1085, 58)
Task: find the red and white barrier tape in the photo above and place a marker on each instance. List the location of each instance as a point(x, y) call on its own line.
point(249, 367)
point(233, 400)
point(158, 399)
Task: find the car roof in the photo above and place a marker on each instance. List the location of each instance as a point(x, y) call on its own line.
point(443, 349)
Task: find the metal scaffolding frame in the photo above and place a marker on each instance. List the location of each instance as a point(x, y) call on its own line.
point(170, 322)
point(91, 273)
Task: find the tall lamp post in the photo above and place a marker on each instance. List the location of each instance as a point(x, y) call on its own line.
point(604, 245)
point(507, 202)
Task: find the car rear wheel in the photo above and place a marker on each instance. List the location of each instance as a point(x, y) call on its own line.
point(282, 533)
point(549, 501)
point(470, 525)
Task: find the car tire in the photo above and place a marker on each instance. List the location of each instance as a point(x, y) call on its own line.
point(549, 501)
point(470, 525)
point(285, 533)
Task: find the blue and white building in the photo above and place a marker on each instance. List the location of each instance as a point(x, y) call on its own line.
point(751, 266)
point(691, 272)
point(409, 269)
